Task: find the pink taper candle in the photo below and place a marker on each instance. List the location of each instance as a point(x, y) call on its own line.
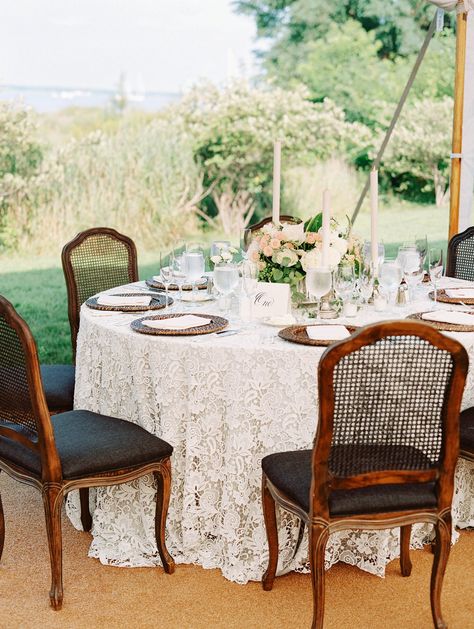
point(276, 181)
point(326, 235)
point(374, 209)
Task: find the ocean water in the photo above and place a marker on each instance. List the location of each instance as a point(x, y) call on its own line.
point(50, 99)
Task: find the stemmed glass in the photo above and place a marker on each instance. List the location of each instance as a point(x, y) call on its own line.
point(318, 284)
point(245, 240)
point(366, 280)
point(179, 270)
point(367, 253)
point(390, 277)
point(226, 279)
point(249, 271)
point(412, 266)
point(166, 272)
point(435, 260)
point(194, 266)
point(344, 281)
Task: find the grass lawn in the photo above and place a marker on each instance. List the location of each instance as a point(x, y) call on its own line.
point(35, 284)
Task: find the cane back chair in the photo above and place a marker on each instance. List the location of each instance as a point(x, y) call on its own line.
point(461, 255)
point(284, 218)
point(385, 449)
point(95, 260)
point(68, 451)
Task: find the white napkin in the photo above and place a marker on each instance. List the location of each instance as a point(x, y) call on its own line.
point(327, 332)
point(121, 300)
point(449, 316)
point(460, 293)
point(177, 323)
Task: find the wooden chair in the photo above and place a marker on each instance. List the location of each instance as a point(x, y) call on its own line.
point(68, 451)
point(284, 218)
point(385, 449)
point(95, 260)
point(461, 255)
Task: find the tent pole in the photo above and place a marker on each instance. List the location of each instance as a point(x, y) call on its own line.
point(455, 185)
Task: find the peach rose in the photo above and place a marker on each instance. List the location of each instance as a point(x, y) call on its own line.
point(311, 238)
point(290, 245)
point(268, 251)
point(264, 241)
point(275, 243)
point(261, 265)
point(255, 256)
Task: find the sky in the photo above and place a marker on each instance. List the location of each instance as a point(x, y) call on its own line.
point(160, 45)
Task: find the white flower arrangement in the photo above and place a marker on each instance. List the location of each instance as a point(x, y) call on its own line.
point(226, 255)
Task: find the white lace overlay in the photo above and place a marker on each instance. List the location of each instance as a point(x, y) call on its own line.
point(223, 403)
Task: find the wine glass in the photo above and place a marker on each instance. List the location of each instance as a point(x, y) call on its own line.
point(435, 261)
point(344, 281)
point(390, 277)
point(318, 284)
point(194, 266)
point(367, 253)
point(366, 280)
point(249, 271)
point(166, 271)
point(412, 266)
point(245, 240)
point(226, 279)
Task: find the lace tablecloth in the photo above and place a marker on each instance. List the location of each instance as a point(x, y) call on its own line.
point(223, 403)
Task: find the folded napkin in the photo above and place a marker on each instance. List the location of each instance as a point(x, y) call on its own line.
point(177, 323)
point(460, 293)
point(121, 300)
point(449, 316)
point(327, 332)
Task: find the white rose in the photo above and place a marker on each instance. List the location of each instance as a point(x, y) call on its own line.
point(286, 257)
point(294, 233)
point(216, 259)
point(334, 257)
point(340, 244)
point(226, 255)
point(311, 259)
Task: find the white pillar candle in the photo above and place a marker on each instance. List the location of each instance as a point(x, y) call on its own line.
point(374, 208)
point(276, 182)
point(326, 229)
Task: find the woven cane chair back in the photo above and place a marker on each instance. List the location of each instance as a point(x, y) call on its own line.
point(94, 261)
point(461, 255)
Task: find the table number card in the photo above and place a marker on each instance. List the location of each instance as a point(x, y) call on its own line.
point(271, 300)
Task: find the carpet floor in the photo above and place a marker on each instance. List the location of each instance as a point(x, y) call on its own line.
point(99, 596)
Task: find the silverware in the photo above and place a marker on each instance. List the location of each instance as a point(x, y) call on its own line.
point(227, 332)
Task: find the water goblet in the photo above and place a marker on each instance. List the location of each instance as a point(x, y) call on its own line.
point(344, 282)
point(435, 261)
point(249, 271)
point(166, 272)
point(390, 277)
point(226, 280)
point(367, 253)
point(318, 284)
point(366, 280)
point(413, 271)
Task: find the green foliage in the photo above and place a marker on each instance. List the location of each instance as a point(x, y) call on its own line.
point(233, 132)
point(418, 155)
point(314, 224)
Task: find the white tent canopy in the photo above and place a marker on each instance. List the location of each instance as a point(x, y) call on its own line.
point(467, 161)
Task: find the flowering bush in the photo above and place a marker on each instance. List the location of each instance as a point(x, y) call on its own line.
point(284, 253)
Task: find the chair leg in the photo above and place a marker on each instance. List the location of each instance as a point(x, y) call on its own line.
point(440, 560)
point(163, 483)
point(53, 500)
point(318, 536)
point(2, 528)
point(405, 561)
point(269, 515)
point(86, 518)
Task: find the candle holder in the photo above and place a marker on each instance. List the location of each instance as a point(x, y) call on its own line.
point(327, 311)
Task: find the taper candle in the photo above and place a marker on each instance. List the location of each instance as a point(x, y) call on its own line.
point(374, 208)
point(276, 181)
point(326, 227)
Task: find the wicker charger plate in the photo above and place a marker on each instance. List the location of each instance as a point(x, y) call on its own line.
point(298, 334)
point(157, 302)
point(216, 324)
point(441, 296)
point(201, 285)
point(445, 327)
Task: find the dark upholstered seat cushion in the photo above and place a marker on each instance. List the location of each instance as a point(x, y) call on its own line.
point(291, 473)
point(89, 443)
point(466, 430)
point(58, 383)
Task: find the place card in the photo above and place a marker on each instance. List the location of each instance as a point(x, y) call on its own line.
point(271, 300)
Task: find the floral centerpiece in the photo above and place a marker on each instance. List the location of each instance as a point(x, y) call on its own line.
point(283, 253)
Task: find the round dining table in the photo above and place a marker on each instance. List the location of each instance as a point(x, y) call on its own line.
point(223, 402)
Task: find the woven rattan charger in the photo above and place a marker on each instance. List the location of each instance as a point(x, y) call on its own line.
point(441, 296)
point(298, 334)
point(157, 303)
point(216, 324)
point(151, 283)
point(444, 327)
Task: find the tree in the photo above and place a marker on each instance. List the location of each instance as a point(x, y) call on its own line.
point(418, 155)
point(234, 130)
